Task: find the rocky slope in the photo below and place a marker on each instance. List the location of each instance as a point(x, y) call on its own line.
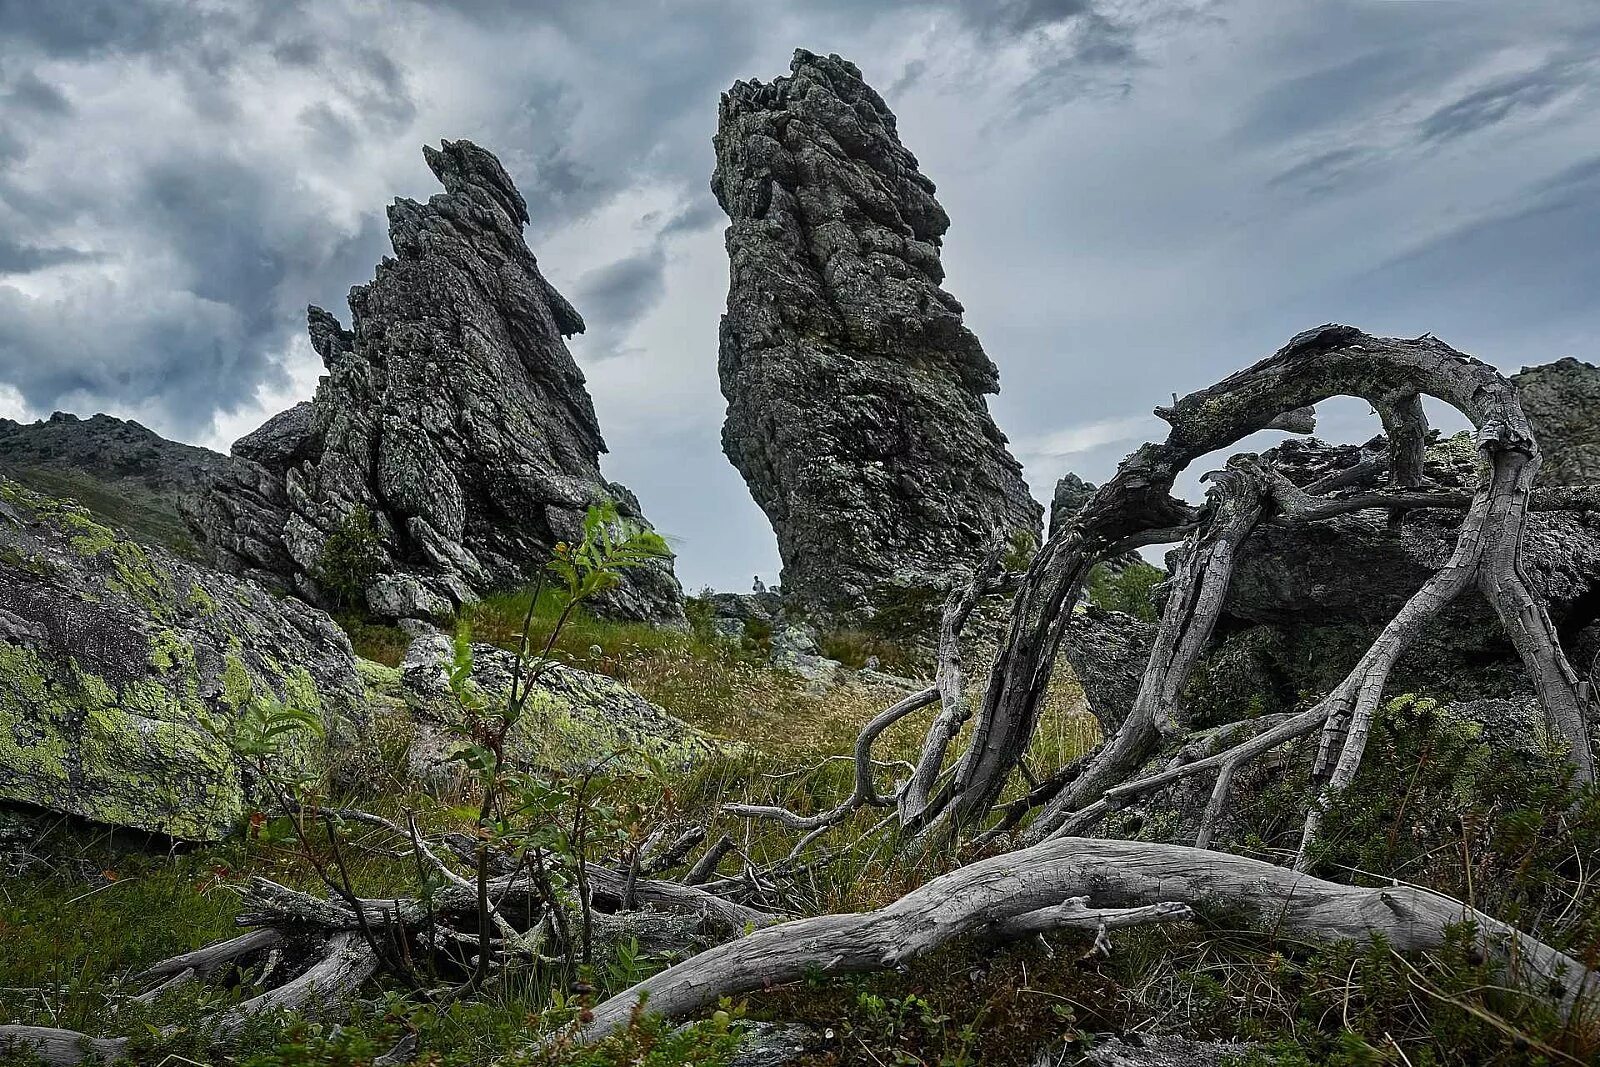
point(113, 655)
point(127, 475)
point(453, 423)
point(855, 393)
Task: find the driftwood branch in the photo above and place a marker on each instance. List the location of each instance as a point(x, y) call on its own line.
point(1030, 891)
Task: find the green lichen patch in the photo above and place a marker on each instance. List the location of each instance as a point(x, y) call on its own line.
point(70, 743)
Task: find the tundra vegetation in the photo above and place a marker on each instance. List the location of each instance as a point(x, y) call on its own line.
point(942, 872)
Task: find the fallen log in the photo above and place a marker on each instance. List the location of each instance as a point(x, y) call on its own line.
point(1023, 891)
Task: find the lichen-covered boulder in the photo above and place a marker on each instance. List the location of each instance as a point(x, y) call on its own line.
point(111, 653)
point(574, 719)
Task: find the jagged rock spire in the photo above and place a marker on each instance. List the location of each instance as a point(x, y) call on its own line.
point(855, 393)
point(452, 415)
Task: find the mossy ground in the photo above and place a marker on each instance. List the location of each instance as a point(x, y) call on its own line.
point(1442, 810)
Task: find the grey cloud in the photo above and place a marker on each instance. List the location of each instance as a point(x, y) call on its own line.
point(613, 298)
point(1019, 16)
point(1327, 171)
point(333, 133)
point(1310, 102)
point(17, 258)
point(702, 214)
point(1504, 99)
point(90, 27)
point(34, 94)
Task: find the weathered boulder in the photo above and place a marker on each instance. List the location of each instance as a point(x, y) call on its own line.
point(855, 393)
point(128, 476)
point(112, 653)
point(573, 719)
point(1356, 569)
point(1562, 400)
point(1108, 652)
point(453, 421)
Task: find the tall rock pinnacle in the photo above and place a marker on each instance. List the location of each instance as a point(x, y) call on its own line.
point(452, 417)
point(855, 394)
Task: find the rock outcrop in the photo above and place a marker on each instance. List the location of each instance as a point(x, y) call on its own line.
point(1071, 494)
point(111, 656)
point(452, 421)
point(1562, 400)
point(1355, 569)
point(128, 476)
point(855, 394)
point(1305, 601)
point(574, 719)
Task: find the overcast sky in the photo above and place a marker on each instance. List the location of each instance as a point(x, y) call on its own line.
point(1145, 195)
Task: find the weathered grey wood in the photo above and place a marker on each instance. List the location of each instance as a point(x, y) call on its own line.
point(345, 963)
point(1194, 603)
point(865, 791)
point(68, 1048)
point(1114, 874)
point(1392, 374)
point(207, 960)
point(706, 866)
point(950, 679)
point(607, 885)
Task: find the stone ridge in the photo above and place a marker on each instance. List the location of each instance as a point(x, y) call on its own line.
point(127, 475)
point(452, 414)
point(855, 393)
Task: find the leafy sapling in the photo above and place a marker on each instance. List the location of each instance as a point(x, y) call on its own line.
point(519, 816)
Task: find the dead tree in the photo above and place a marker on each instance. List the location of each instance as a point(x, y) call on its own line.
point(1136, 508)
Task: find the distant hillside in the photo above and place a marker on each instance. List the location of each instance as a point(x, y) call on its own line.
point(128, 475)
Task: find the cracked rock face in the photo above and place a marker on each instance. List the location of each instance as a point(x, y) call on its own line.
point(855, 394)
point(452, 415)
point(1562, 400)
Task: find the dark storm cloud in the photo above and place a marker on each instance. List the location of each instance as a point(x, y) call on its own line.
point(700, 215)
point(216, 243)
point(85, 28)
point(618, 294)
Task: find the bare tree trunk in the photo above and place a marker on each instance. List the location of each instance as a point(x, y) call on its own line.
point(1194, 602)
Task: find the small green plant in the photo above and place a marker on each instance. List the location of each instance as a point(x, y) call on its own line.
point(522, 816)
point(350, 559)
